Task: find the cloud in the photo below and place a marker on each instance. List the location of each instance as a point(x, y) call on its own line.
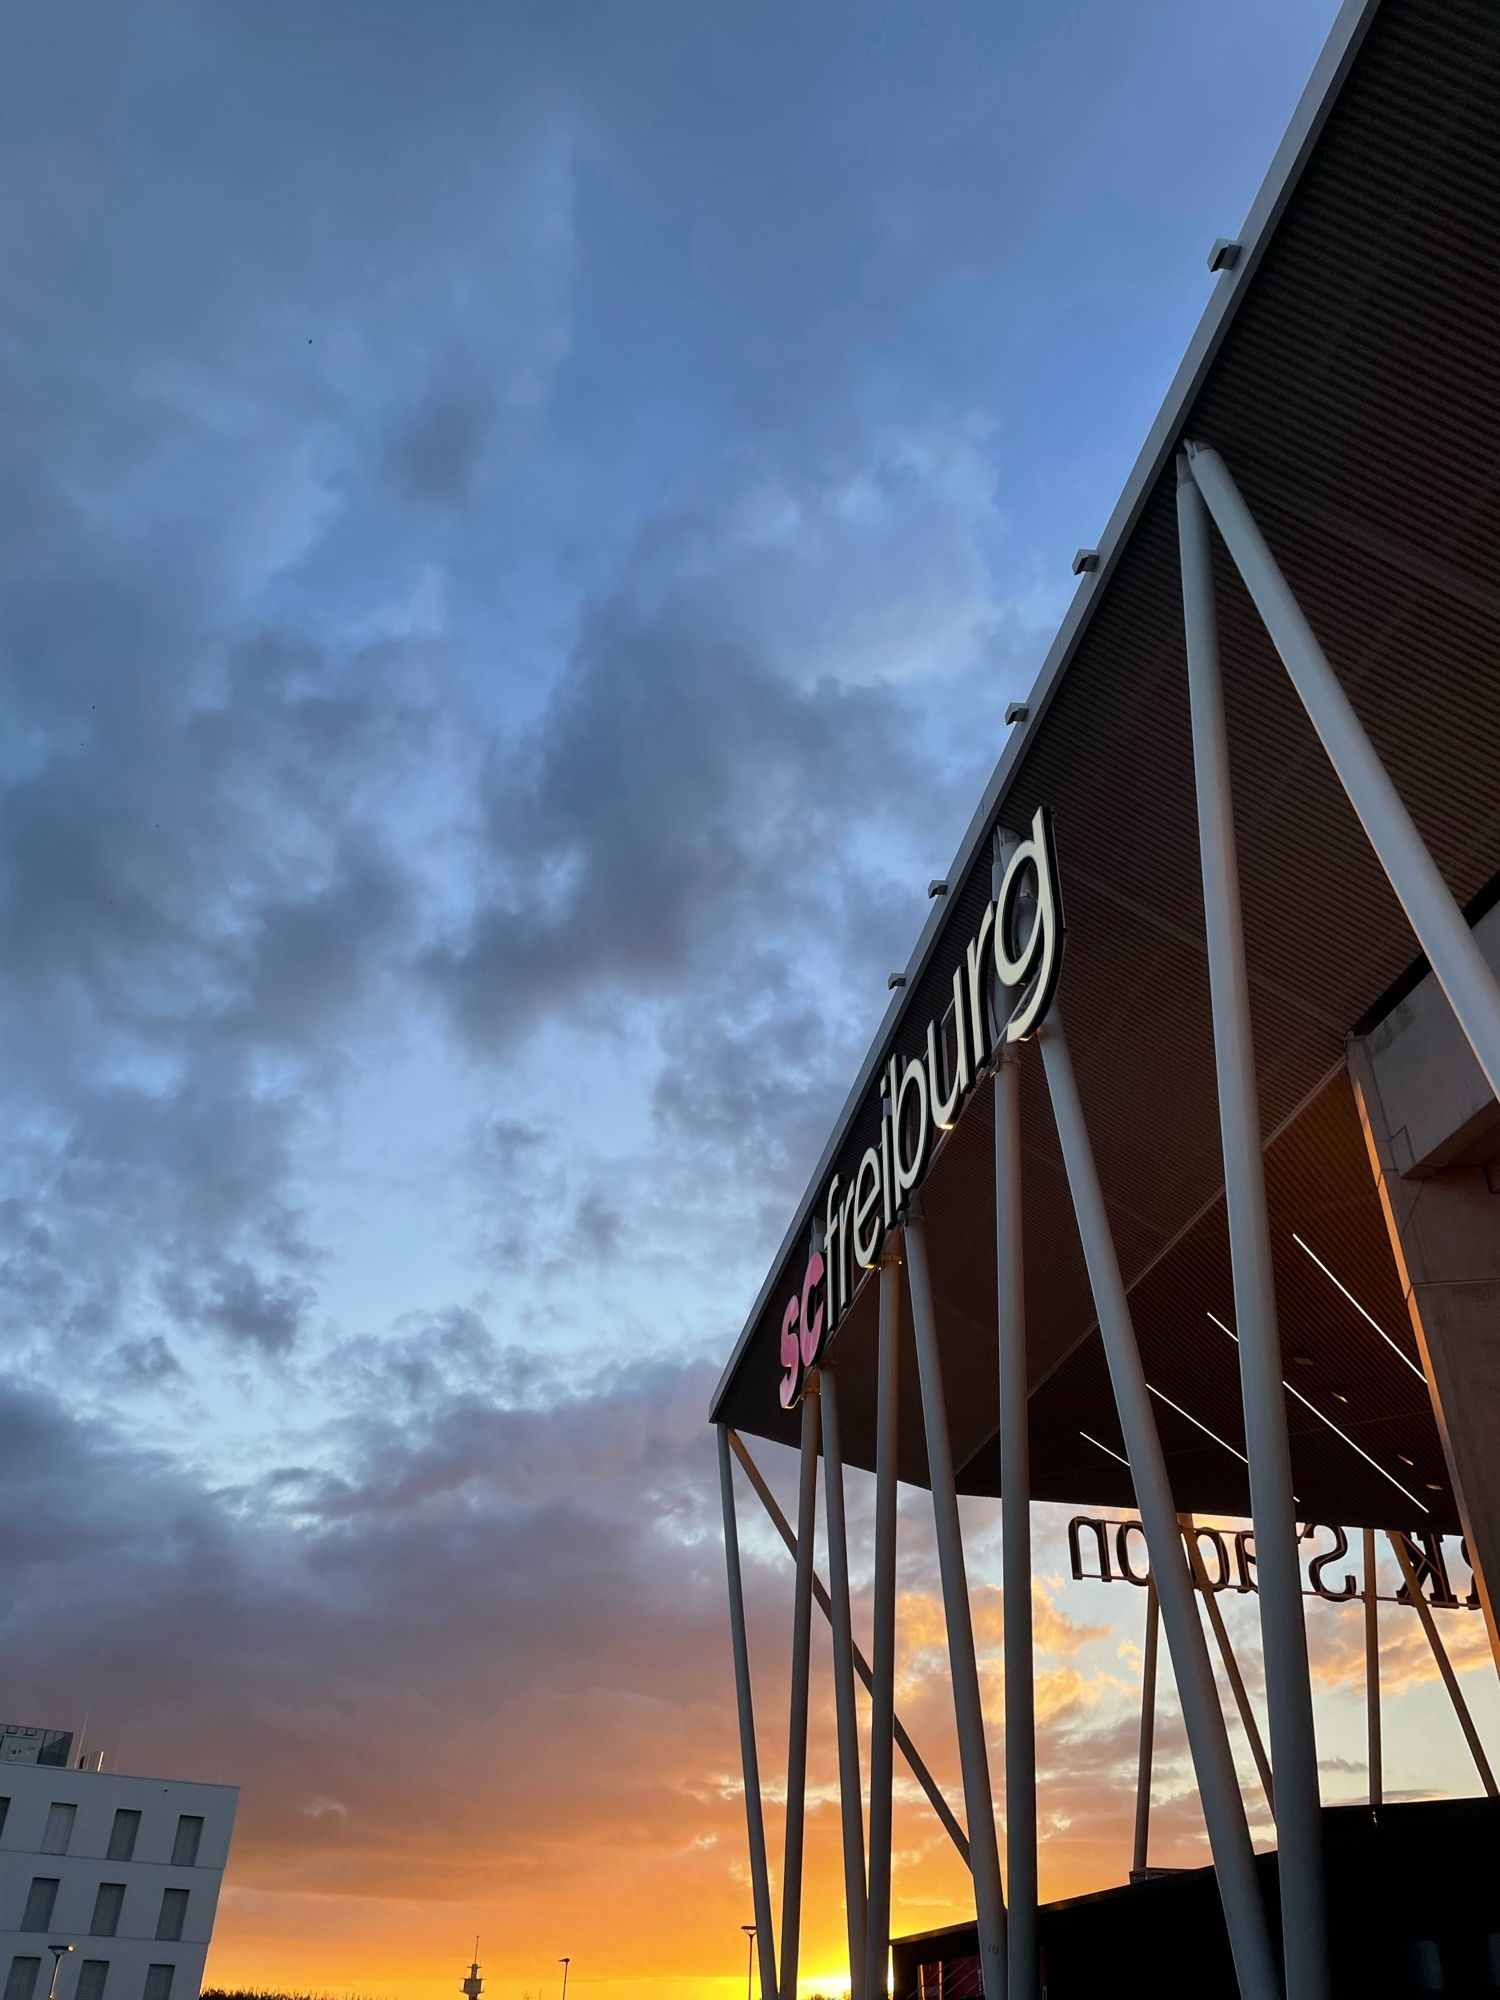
point(435, 454)
point(521, 1590)
point(513, 553)
point(653, 818)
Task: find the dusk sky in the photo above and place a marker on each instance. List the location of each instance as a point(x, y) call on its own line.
point(518, 526)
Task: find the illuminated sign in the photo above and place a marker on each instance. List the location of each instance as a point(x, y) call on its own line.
point(1017, 950)
point(1226, 1561)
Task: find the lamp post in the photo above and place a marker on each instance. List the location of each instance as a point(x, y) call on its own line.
point(565, 1963)
point(59, 1953)
point(749, 1930)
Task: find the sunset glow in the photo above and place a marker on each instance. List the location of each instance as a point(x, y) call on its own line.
point(524, 531)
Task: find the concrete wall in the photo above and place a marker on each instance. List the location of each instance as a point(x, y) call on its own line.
point(32, 1789)
point(1432, 1130)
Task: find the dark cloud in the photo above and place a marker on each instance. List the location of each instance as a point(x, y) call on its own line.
point(148, 1361)
point(502, 550)
point(267, 1313)
point(473, 1590)
point(467, 1561)
point(436, 452)
point(669, 808)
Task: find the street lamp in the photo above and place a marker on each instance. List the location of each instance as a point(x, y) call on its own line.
point(749, 1930)
point(59, 1953)
point(565, 1963)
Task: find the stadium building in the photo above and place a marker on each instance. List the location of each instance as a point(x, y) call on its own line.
point(1169, 1184)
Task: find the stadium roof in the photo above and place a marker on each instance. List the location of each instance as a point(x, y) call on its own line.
point(1346, 370)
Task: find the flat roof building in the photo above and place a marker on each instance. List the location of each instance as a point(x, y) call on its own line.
point(124, 1870)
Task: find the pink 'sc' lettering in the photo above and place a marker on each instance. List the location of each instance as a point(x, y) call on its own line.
point(791, 1354)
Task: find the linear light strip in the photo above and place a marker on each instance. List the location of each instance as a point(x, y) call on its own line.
point(1333, 1426)
point(1394, 1346)
point(1194, 1420)
point(1104, 1447)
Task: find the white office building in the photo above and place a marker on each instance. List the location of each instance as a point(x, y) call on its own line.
point(124, 1870)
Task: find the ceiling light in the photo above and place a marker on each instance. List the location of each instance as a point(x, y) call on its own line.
point(1201, 1426)
point(1391, 1344)
point(1104, 1447)
point(1333, 1426)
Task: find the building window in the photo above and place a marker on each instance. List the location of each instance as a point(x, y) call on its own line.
point(122, 1835)
point(91, 1977)
point(106, 1918)
point(4, 1809)
point(173, 1912)
point(60, 1818)
point(185, 1847)
point(21, 1983)
point(39, 1902)
point(158, 1982)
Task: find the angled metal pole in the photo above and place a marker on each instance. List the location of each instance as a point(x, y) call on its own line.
point(1372, 1673)
point(1294, 1750)
point(883, 1649)
point(824, 1603)
point(963, 1668)
point(1208, 1739)
point(1444, 1664)
point(1015, 1541)
point(1148, 1737)
point(760, 1879)
point(1231, 1664)
point(1015, 1519)
point(851, 1792)
point(796, 1753)
point(1414, 875)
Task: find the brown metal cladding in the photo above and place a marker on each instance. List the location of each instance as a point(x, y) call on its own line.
point(1356, 400)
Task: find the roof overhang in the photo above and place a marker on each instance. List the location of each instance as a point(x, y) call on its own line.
point(1345, 371)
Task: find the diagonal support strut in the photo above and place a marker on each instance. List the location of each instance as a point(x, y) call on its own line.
point(908, 1749)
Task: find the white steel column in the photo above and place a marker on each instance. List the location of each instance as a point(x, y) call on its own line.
point(1208, 1739)
point(1444, 1664)
point(883, 1648)
point(755, 1825)
point(796, 1753)
point(1294, 1754)
point(1231, 1664)
point(824, 1603)
point(1372, 1673)
point(1015, 1541)
point(1414, 875)
point(1015, 1526)
point(1148, 1737)
point(979, 1809)
point(851, 1794)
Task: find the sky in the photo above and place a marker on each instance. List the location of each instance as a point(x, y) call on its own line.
point(518, 526)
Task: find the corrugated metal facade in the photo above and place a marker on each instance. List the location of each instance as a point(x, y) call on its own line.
point(1356, 399)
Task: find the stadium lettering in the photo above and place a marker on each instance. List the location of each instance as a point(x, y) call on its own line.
point(1017, 949)
point(1100, 1550)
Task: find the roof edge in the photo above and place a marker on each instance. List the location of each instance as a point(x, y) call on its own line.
point(1318, 97)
